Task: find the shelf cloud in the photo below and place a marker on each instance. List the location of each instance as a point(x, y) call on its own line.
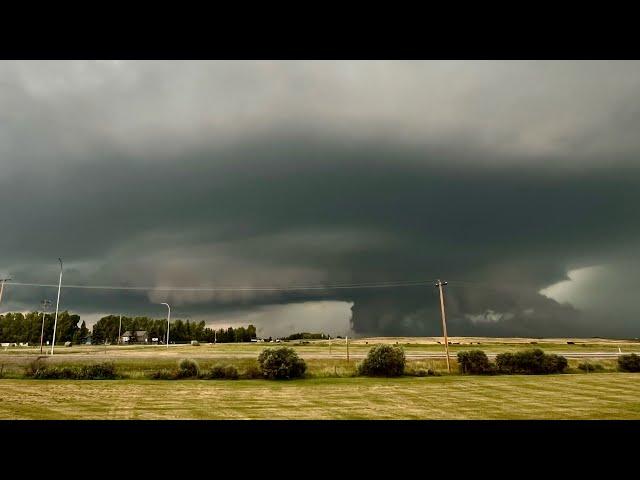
point(500, 177)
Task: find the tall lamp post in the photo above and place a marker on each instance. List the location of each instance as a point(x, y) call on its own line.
point(55, 322)
point(45, 304)
point(168, 320)
point(2, 281)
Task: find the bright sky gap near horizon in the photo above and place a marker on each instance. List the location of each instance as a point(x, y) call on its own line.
point(519, 179)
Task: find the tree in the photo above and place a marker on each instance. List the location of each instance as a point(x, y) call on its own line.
point(474, 361)
point(239, 334)
point(629, 363)
point(107, 328)
point(251, 332)
point(84, 332)
point(281, 363)
point(383, 361)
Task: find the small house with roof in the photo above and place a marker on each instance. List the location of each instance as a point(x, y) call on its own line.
point(138, 336)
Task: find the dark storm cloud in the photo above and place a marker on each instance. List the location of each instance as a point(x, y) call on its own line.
point(502, 175)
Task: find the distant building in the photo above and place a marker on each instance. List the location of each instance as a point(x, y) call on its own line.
point(139, 336)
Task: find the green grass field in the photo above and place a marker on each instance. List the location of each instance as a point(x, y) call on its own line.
point(330, 390)
point(587, 396)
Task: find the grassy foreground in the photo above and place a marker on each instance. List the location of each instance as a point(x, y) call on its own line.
point(586, 396)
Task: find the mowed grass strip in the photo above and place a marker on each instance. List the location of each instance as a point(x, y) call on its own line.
point(593, 396)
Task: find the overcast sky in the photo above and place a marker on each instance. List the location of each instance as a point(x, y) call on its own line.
point(518, 182)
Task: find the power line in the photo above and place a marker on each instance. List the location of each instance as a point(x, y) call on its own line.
point(336, 286)
point(409, 283)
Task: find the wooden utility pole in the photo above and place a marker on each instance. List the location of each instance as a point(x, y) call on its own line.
point(45, 304)
point(440, 284)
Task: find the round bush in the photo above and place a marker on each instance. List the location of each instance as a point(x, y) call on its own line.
point(629, 363)
point(474, 361)
point(383, 361)
point(530, 362)
point(188, 368)
point(99, 371)
point(281, 363)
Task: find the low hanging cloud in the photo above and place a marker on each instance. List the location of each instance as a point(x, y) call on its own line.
point(500, 176)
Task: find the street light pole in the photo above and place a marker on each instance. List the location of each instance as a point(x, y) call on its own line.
point(440, 284)
point(347, 341)
point(55, 322)
point(45, 304)
point(2, 280)
point(120, 330)
point(168, 320)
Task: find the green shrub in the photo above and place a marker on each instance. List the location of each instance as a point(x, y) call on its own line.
point(533, 361)
point(98, 371)
point(553, 363)
point(163, 374)
point(383, 361)
point(228, 372)
point(629, 363)
point(280, 363)
point(216, 372)
point(590, 367)
point(251, 372)
point(34, 367)
point(56, 373)
point(421, 372)
point(474, 361)
point(231, 372)
point(187, 368)
point(505, 363)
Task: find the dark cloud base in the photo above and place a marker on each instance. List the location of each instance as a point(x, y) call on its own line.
point(298, 199)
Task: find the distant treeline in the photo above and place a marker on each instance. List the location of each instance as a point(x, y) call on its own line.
point(179, 331)
point(307, 336)
point(21, 328)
